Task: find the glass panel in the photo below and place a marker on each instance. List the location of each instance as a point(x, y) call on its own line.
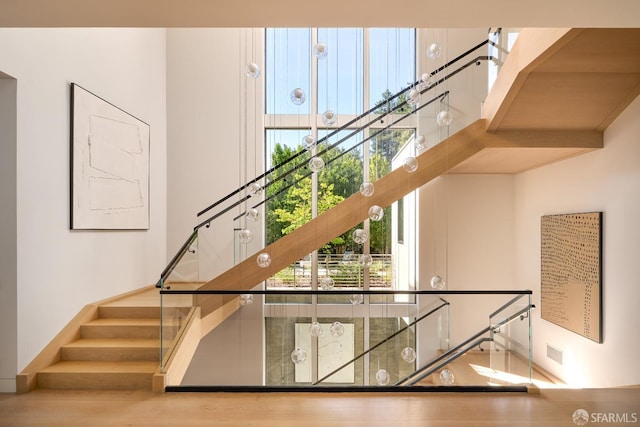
point(396, 269)
point(186, 267)
point(284, 335)
point(288, 59)
point(342, 174)
point(183, 274)
point(340, 73)
point(511, 344)
point(297, 276)
point(175, 311)
point(394, 358)
point(289, 191)
point(502, 41)
point(391, 62)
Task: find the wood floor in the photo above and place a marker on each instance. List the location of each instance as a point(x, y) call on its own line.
point(552, 407)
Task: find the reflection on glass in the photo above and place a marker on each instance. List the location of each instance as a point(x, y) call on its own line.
point(340, 74)
point(287, 66)
point(388, 48)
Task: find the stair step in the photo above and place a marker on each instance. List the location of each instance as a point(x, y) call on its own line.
point(141, 312)
point(111, 349)
point(126, 312)
point(98, 375)
point(124, 328)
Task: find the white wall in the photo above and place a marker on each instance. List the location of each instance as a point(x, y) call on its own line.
point(466, 237)
point(232, 353)
point(607, 180)
point(207, 99)
point(59, 270)
point(8, 235)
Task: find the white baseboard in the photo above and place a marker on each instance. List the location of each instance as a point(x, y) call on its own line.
point(7, 385)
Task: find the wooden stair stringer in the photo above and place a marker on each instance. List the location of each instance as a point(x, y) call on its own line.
point(196, 328)
point(352, 211)
point(27, 379)
point(464, 146)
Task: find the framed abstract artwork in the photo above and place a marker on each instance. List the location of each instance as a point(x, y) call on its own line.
point(109, 165)
point(571, 272)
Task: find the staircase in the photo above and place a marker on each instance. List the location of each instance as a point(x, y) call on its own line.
point(111, 345)
point(474, 369)
point(115, 346)
point(118, 350)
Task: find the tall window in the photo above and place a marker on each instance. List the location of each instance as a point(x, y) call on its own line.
point(326, 100)
point(362, 68)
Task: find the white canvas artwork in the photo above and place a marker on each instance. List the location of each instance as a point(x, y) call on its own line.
point(110, 165)
point(333, 352)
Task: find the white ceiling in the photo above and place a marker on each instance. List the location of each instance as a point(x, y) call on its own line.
point(305, 13)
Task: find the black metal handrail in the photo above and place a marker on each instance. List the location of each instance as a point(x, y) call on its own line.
point(176, 258)
point(334, 145)
point(457, 351)
point(370, 137)
point(349, 123)
point(345, 292)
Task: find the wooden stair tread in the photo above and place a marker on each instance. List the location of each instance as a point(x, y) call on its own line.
point(114, 342)
point(88, 367)
point(124, 322)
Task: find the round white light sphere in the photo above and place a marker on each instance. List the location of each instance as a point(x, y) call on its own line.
point(316, 164)
point(326, 283)
point(420, 143)
point(320, 50)
point(254, 189)
point(410, 164)
point(336, 329)
point(434, 51)
point(297, 96)
point(360, 236)
point(382, 377)
point(444, 118)
point(252, 70)
point(245, 236)
point(298, 356)
point(365, 260)
point(366, 189)
point(427, 80)
point(437, 282)
point(264, 260)
point(252, 215)
point(329, 117)
point(413, 98)
point(356, 299)
point(447, 377)
point(246, 299)
point(408, 354)
point(315, 330)
point(376, 213)
point(309, 142)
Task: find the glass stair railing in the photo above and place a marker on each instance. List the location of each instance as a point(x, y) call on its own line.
point(187, 263)
point(507, 364)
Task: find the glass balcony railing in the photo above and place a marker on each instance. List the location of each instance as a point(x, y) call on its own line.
point(369, 289)
point(299, 346)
